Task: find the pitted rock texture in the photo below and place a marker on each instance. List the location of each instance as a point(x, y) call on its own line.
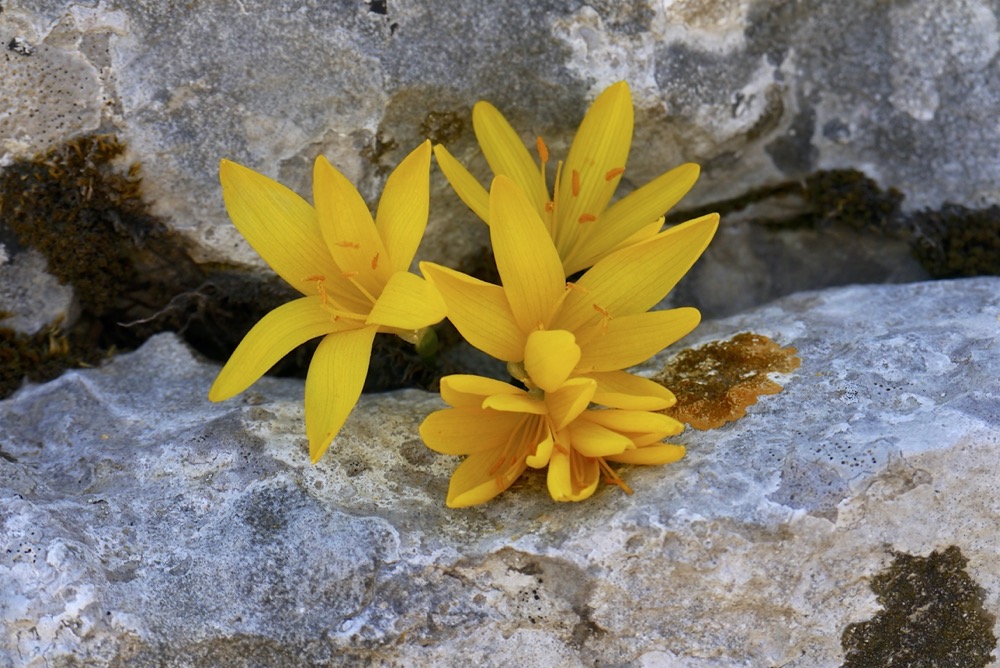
point(142, 525)
point(757, 91)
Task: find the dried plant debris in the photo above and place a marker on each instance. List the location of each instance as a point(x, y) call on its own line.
point(933, 615)
point(714, 384)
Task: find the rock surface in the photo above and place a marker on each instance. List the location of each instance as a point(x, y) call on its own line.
point(757, 91)
point(141, 525)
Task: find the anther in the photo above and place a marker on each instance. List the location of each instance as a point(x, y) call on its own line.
point(320, 288)
point(543, 150)
point(586, 218)
point(550, 206)
point(347, 244)
point(612, 173)
point(375, 262)
point(576, 183)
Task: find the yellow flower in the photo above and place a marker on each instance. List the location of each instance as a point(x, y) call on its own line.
point(352, 271)
point(576, 214)
point(547, 329)
point(503, 430)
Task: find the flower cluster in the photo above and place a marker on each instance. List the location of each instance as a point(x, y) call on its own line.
point(568, 343)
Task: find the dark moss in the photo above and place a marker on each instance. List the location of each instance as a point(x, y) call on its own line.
point(825, 198)
point(39, 357)
point(956, 241)
point(85, 213)
point(933, 616)
point(442, 127)
point(847, 196)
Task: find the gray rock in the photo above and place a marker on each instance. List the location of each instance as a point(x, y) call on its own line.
point(141, 525)
point(30, 297)
point(757, 91)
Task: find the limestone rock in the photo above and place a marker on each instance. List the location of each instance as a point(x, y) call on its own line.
point(30, 297)
point(757, 91)
point(142, 525)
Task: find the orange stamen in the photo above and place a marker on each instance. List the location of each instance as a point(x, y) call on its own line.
point(375, 262)
point(347, 244)
point(576, 183)
point(586, 218)
point(543, 150)
point(605, 317)
point(612, 478)
point(349, 275)
point(612, 173)
point(550, 206)
point(496, 467)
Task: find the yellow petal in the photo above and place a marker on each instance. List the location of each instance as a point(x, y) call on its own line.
point(402, 210)
point(592, 440)
point(479, 311)
point(276, 334)
point(634, 279)
point(644, 234)
point(637, 210)
point(550, 357)
point(348, 228)
point(633, 339)
point(643, 439)
point(507, 154)
point(515, 403)
point(572, 477)
point(333, 384)
point(634, 422)
point(479, 479)
point(620, 389)
point(543, 451)
point(567, 402)
point(484, 475)
point(277, 223)
point(664, 453)
point(468, 391)
point(601, 145)
point(468, 189)
point(407, 302)
point(528, 263)
point(466, 431)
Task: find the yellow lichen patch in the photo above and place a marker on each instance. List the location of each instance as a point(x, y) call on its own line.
point(714, 384)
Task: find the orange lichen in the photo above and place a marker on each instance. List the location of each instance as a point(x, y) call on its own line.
point(714, 384)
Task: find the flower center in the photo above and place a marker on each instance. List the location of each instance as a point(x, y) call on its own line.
point(336, 310)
